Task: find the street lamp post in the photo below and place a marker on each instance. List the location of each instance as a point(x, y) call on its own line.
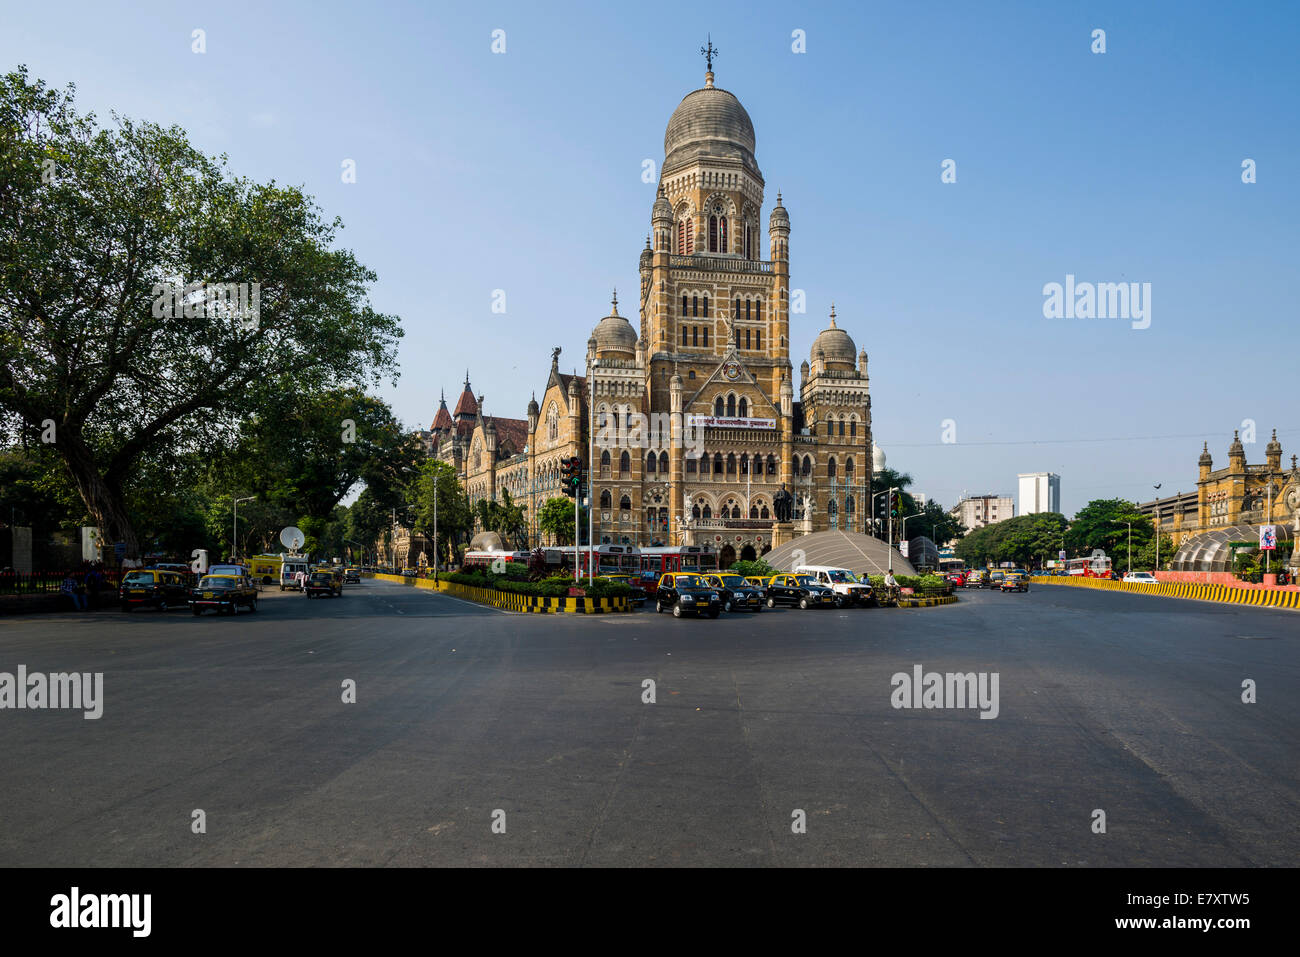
point(1130, 545)
point(234, 528)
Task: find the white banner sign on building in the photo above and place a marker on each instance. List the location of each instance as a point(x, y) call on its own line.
point(723, 422)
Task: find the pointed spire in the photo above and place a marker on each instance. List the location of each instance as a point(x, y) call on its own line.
point(832, 313)
point(615, 312)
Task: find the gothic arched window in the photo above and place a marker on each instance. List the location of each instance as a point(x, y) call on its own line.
point(830, 468)
point(706, 307)
point(695, 512)
point(717, 463)
point(841, 426)
point(731, 463)
point(713, 234)
point(753, 511)
point(771, 465)
point(848, 468)
point(625, 504)
point(736, 314)
point(695, 305)
point(764, 513)
point(744, 463)
point(723, 246)
point(704, 465)
point(553, 422)
point(742, 409)
point(708, 512)
point(848, 506)
point(624, 464)
point(663, 462)
point(731, 405)
point(650, 460)
point(606, 500)
point(604, 459)
point(853, 427)
point(685, 306)
point(684, 334)
point(807, 465)
point(758, 338)
point(719, 409)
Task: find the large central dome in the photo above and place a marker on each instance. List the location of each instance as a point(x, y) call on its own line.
point(709, 123)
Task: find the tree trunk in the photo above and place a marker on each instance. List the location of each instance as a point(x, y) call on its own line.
point(103, 499)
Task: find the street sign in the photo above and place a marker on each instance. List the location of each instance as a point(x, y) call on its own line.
point(1267, 538)
point(902, 549)
point(1061, 554)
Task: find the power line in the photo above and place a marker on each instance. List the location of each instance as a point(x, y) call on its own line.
point(1117, 438)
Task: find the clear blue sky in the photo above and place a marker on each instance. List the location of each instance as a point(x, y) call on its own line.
point(522, 172)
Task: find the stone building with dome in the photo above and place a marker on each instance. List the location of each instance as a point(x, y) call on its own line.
point(707, 348)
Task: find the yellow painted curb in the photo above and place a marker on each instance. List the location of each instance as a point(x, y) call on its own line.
point(1222, 593)
point(512, 602)
point(927, 602)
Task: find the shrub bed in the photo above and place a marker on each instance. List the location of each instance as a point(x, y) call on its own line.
point(557, 586)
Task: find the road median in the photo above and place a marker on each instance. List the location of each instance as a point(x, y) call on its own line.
point(1227, 594)
point(509, 601)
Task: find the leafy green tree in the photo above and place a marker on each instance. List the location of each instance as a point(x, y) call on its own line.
point(367, 522)
point(905, 504)
point(1024, 539)
point(757, 567)
point(438, 485)
point(938, 524)
point(1104, 523)
point(97, 226)
point(555, 518)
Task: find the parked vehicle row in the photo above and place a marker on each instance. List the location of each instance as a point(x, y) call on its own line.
point(704, 594)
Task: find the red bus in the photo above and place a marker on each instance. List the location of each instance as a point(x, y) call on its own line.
point(657, 560)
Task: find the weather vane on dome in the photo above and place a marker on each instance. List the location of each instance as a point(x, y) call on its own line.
point(709, 53)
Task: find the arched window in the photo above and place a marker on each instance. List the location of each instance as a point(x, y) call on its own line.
point(625, 504)
point(748, 304)
point(723, 245)
point(663, 462)
point(742, 407)
point(848, 468)
point(717, 463)
point(848, 506)
point(719, 410)
point(705, 344)
point(695, 512)
point(853, 427)
point(695, 336)
point(736, 314)
point(744, 463)
point(731, 404)
point(758, 308)
point(706, 307)
point(704, 465)
point(713, 234)
point(758, 338)
point(691, 465)
point(807, 465)
point(771, 465)
point(604, 459)
point(708, 512)
point(684, 333)
point(731, 463)
point(794, 466)
point(624, 464)
point(650, 460)
point(606, 500)
point(831, 508)
point(747, 346)
point(695, 305)
point(753, 511)
point(763, 513)
point(830, 427)
point(685, 306)
point(830, 468)
point(553, 422)
point(841, 426)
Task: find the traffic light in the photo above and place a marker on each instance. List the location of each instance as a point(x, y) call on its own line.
point(572, 476)
point(893, 505)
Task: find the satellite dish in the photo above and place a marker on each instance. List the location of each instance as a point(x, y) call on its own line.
point(292, 538)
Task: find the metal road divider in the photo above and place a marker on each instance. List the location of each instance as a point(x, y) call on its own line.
point(511, 601)
point(1223, 593)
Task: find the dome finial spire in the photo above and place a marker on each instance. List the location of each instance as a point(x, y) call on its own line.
point(615, 312)
point(709, 53)
point(832, 313)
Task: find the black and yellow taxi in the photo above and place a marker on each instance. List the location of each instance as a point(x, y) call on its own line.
point(687, 594)
point(737, 594)
point(1014, 579)
point(801, 590)
point(224, 594)
point(323, 582)
point(155, 587)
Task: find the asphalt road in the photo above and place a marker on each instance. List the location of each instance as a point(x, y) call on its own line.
point(1124, 703)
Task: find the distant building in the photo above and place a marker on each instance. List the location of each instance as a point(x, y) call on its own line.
point(1039, 492)
point(980, 510)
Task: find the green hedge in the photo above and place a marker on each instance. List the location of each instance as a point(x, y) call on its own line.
point(557, 586)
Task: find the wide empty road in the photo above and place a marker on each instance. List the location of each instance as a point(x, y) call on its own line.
point(468, 721)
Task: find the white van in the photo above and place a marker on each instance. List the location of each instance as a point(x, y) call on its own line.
point(289, 570)
point(843, 582)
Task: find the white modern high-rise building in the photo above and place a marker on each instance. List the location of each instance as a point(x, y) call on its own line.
point(1039, 492)
point(976, 511)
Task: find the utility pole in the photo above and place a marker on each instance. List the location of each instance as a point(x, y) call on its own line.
point(437, 555)
point(591, 460)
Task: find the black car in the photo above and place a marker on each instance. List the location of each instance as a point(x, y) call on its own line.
point(157, 588)
point(800, 590)
point(736, 593)
point(323, 583)
point(687, 594)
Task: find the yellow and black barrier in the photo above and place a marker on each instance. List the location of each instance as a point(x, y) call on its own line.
point(1266, 597)
point(511, 601)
